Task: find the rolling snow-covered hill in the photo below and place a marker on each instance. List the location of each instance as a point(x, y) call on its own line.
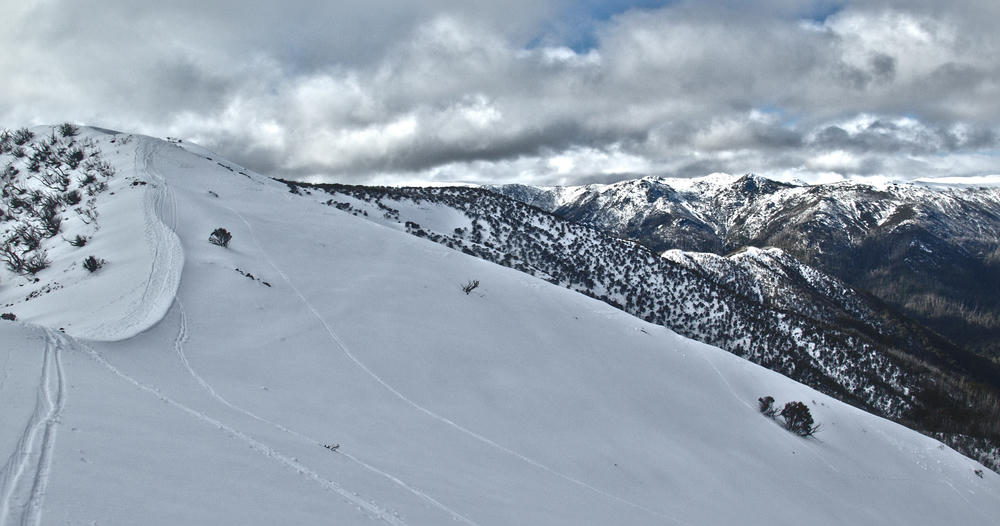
point(187, 383)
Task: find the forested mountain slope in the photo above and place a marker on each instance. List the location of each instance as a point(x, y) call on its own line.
point(930, 250)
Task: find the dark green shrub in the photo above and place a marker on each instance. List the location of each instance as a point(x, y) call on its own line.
point(92, 263)
point(798, 419)
point(67, 129)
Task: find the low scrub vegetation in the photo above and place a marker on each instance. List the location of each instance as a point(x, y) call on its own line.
point(44, 180)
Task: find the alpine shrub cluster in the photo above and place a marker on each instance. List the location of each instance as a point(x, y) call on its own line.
point(796, 416)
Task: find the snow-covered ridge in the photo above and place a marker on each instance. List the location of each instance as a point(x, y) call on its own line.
point(520, 403)
point(720, 200)
point(109, 204)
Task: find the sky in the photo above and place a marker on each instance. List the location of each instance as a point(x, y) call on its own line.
point(535, 92)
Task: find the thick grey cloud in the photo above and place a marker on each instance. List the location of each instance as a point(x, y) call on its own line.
point(537, 92)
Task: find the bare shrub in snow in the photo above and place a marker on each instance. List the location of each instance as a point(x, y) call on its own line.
point(52, 223)
point(78, 241)
point(11, 256)
point(99, 166)
point(88, 215)
point(220, 236)
point(27, 235)
point(470, 286)
point(49, 216)
point(767, 406)
point(22, 136)
point(36, 262)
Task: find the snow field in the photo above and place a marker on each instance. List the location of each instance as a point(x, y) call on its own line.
point(522, 403)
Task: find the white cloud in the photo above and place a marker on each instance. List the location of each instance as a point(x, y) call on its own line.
point(478, 91)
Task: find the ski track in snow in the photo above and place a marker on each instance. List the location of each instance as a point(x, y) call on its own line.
point(6, 373)
point(179, 341)
point(25, 476)
point(369, 508)
point(160, 215)
point(160, 212)
point(454, 425)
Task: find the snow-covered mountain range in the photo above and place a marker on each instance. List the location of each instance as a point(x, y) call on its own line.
point(931, 250)
point(328, 368)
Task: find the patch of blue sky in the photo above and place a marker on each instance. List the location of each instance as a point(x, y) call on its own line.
point(824, 9)
point(576, 26)
point(787, 119)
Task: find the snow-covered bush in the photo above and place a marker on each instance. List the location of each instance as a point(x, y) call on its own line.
point(798, 419)
point(9, 173)
point(72, 197)
point(470, 286)
point(92, 263)
point(75, 157)
point(36, 262)
point(49, 217)
point(78, 241)
point(27, 235)
point(220, 236)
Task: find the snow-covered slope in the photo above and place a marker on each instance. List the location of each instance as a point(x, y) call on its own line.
point(520, 403)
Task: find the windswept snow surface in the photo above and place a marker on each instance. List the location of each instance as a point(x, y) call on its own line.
point(521, 403)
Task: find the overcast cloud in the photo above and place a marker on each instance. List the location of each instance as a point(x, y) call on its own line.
point(554, 92)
